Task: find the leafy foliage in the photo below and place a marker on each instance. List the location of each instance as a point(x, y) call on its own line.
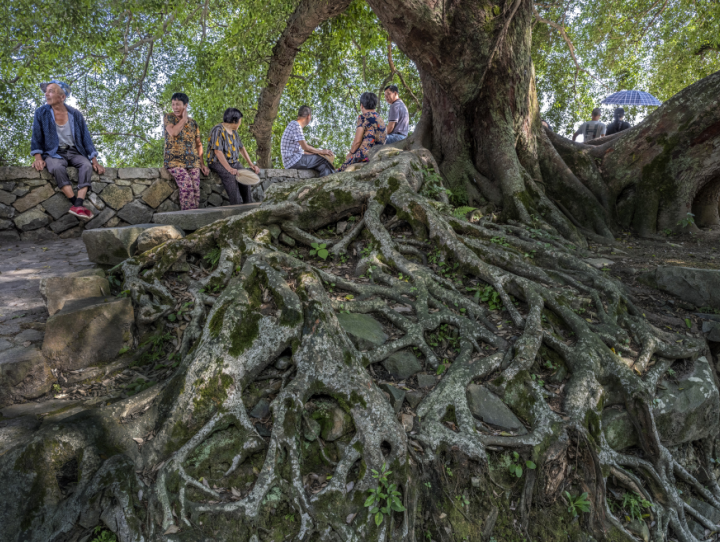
point(319, 250)
point(577, 504)
point(385, 498)
point(103, 535)
point(635, 504)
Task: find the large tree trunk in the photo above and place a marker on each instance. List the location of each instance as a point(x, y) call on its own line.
point(307, 17)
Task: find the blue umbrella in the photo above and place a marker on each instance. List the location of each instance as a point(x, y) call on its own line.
point(631, 97)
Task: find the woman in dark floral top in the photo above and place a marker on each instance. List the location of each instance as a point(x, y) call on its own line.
point(224, 151)
point(183, 151)
point(369, 131)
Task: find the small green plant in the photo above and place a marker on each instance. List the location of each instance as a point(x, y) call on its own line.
point(487, 294)
point(578, 504)
point(635, 504)
point(500, 241)
point(183, 309)
point(296, 254)
point(212, 257)
point(537, 379)
point(689, 220)
point(512, 463)
point(448, 470)
point(319, 250)
point(671, 372)
point(103, 535)
point(462, 500)
point(432, 184)
point(443, 367)
point(156, 348)
point(139, 385)
point(428, 485)
point(290, 517)
point(385, 498)
point(352, 218)
point(56, 388)
point(123, 350)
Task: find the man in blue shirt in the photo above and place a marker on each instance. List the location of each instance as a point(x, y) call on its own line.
point(60, 138)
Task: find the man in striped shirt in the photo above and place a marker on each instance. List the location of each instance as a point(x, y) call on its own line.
point(293, 144)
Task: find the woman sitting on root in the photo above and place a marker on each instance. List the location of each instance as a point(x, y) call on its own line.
point(224, 150)
point(369, 131)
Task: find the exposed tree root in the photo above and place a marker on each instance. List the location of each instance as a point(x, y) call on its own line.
point(258, 301)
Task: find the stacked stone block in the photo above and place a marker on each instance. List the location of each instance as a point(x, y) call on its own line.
point(32, 208)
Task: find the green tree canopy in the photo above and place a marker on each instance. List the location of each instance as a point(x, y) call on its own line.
point(125, 59)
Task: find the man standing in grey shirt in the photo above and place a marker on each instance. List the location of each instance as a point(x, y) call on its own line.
point(591, 129)
point(398, 117)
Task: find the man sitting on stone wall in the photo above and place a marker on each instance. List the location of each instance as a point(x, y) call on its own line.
point(293, 144)
point(60, 138)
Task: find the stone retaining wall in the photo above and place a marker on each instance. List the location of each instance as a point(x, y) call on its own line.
point(32, 208)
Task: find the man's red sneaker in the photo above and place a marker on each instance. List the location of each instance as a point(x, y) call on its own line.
point(81, 212)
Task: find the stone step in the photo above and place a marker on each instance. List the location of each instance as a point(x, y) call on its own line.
point(23, 375)
point(88, 332)
point(195, 219)
point(111, 246)
point(56, 291)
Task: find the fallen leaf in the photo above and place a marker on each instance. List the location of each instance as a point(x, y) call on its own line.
point(172, 529)
point(235, 492)
point(350, 518)
point(139, 441)
point(443, 516)
point(350, 486)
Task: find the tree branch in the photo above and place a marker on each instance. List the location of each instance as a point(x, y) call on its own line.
point(561, 30)
point(146, 140)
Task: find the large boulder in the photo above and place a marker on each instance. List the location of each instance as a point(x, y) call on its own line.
point(111, 246)
point(488, 407)
point(24, 375)
point(87, 332)
point(56, 291)
point(364, 331)
point(701, 287)
point(402, 365)
point(685, 411)
point(153, 237)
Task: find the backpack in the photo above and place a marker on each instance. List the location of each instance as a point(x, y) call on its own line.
point(588, 131)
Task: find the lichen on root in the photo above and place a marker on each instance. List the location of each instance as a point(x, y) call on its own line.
point(210, 471)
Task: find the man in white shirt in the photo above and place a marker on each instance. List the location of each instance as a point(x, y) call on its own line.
point(293, 144)
point(591, 129)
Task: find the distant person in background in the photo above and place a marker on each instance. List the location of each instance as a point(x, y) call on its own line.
point(295, 151)
point(369, 131)
point(184, 151)
point(591, 129)
point(546, 124)
point(60, 138)
point(618, 125)
point(398, 116)
point(223, 157)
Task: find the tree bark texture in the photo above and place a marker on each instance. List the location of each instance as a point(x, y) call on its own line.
point(307, 17)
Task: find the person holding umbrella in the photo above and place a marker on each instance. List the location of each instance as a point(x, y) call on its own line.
point(618, 125)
